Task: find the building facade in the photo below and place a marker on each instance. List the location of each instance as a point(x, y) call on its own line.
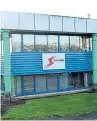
point(43, 54)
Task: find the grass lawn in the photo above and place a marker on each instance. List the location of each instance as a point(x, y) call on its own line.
point(73, 104)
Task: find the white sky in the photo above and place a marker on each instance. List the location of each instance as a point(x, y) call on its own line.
point(77, 8)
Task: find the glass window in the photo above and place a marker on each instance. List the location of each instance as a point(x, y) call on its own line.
point(41, 43)
point(64, 43)
point(90, 44)
point(76, 80)
point(52, 81)
point(18, 84)
point(16, 42)
point(52, 43)
point(28, 84)
point(2, 85)
point(55, 23)
point(63, 80)
point(9, 20)
point(74, 43)
point(26, 21)
point(28, 42)
point(68, 24)
point(41, 22)
point(84, 43)
point(40, 83)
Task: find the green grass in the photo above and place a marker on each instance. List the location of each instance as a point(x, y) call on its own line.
point(73, 104)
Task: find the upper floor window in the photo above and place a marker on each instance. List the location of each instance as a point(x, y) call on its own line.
point(28, 42)
point(74, 43)
point(64, 43)
point(84, 43)
point(90, 44)
point(16, 42)
point(52, 43)
point(41, 43)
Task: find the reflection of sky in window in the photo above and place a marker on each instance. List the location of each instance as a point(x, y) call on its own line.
point(16, 38)
point(53, 39)
point(41, 39)
point(64, 40)
point(28, 39)
point(55, 23)
point(74, 40)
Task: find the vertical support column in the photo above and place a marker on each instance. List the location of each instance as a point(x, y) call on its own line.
point(6, 51)
point(94, 43)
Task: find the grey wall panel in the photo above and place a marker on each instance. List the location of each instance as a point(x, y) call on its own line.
point(68, 24)
point(80, 25)
point(41, 22)
point(91, 26)
point(9, 20)
point(26, 21)
point(55, 23)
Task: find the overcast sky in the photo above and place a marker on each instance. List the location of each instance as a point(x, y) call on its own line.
point(77, 8)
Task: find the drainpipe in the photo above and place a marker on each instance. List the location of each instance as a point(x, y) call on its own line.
point(94, 43)
point(6, 55)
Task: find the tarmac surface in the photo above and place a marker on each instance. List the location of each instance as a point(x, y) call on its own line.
point(89, 116)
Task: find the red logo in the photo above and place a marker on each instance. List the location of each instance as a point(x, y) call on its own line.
point(51, 61)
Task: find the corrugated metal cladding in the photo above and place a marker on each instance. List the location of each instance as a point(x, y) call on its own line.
point(30, 21)
point(31, 63)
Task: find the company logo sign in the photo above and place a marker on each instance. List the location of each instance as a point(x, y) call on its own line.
point(53, 61)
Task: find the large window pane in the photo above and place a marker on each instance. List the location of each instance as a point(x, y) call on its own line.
point(63, 80)
point(41, 22)
point(26, 21)
point(84, 43)
point(77, 80)
point(16, 42)
point(90, 44)
point(41, 43)
point(9, 20)
point(74, 43)
point(52, 81)
point(28, 42)
point(52, 43)
point(18, 84)
point(55, 23)
point(64, 43)
point(28, 84)
point(40, 83)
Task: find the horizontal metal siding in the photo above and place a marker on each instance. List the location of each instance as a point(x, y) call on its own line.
point(31, 63)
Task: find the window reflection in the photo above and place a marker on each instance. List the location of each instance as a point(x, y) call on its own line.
point(55, 23)
point(84, 43)
point(74, 43)
point(90, 44)
point(16, 43)
point(52, 43)
point(18, 84)
point(41, 43)
point(64, 43)
point(52, 81)
point(28, 84)
point(28, 41)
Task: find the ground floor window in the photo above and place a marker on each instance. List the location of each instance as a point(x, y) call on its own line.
point(78, 79)
point(52, 82)
point(34, 84)
point(18, 84)
point(63, 80)
point(40, 81)
point(28, 84)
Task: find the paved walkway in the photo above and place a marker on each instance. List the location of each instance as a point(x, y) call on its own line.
point(89, 116)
